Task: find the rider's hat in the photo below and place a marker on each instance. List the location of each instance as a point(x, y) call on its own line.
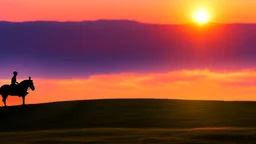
point(15, 72)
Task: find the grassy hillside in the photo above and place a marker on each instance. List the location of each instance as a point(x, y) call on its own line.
point(128, 113)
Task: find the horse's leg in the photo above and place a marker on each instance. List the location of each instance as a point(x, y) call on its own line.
point(23, 100)
point(4, 98)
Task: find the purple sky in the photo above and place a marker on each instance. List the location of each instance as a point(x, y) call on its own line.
point(50, 49)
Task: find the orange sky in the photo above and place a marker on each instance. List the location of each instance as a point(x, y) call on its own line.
point(183, 84)
point(152, 11)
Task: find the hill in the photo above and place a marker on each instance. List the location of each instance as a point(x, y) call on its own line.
point(128, 113)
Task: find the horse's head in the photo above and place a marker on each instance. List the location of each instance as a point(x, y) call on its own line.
point(31, 84)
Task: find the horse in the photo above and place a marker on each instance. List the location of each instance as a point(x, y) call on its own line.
point(20, 90)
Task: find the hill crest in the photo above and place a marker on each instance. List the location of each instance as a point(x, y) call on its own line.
point(132, 113)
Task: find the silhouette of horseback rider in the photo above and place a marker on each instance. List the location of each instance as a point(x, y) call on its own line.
point(14, 82)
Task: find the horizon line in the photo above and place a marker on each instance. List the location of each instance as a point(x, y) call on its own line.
point(113, 99)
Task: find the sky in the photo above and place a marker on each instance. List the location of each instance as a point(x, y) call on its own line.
point(123, 59)
point(149, 11)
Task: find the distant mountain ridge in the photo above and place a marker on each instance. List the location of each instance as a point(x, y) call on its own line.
point(122, 22)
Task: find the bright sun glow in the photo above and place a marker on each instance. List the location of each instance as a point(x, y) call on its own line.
point(201, 16)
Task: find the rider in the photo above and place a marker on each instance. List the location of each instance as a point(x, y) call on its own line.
point(14, 82)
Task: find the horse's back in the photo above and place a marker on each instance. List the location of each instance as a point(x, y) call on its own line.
point(4, 86)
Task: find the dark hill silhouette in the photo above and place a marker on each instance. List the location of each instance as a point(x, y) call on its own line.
point(128, 113)
point(105, 46)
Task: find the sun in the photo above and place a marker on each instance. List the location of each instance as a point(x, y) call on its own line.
point(201, 16)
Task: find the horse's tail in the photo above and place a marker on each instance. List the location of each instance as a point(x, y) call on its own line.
point(3, 88)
